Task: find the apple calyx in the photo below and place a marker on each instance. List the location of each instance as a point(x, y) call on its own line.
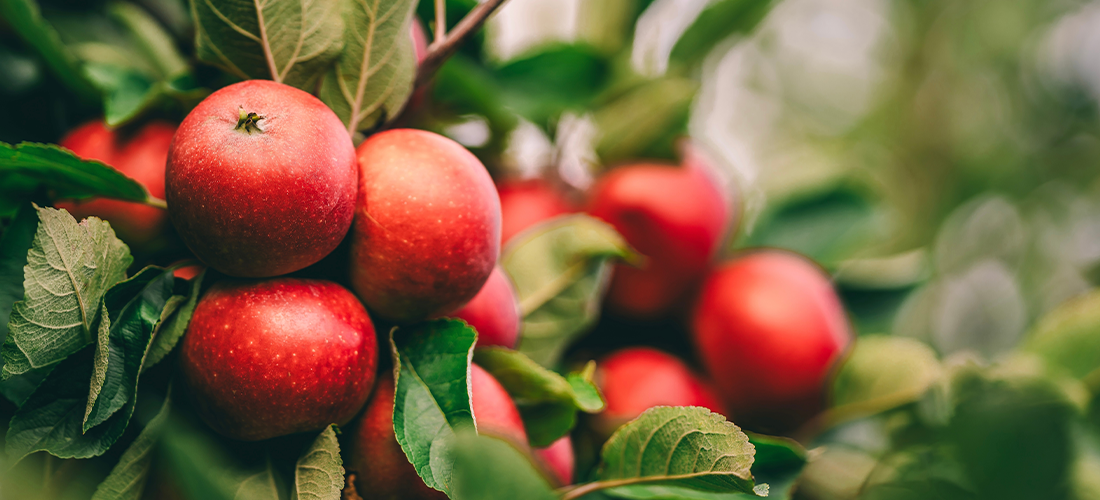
point(247, 121)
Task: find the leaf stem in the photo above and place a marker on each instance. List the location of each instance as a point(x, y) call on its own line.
point(153, 201)
point(584, 489)
point(443, 48)
point(440, 21)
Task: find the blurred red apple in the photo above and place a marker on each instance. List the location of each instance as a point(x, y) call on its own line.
point(261, 179)
point(558, 459)
point(420, 40)
point(382, 468)
point(769, 327)
point(676, 217)
point(275, 357)
point(526, 203)
point(427, 229)
point(187, 272)
point(494, 312)
point(636, 379)
point(142, 158)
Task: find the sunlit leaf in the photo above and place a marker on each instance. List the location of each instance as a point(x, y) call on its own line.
point(320, 471)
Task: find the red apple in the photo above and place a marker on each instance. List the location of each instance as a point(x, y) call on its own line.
point(261, 179)
point(275, 357)
point(427, 228)
point(558, 459)
point(769, 327)
point(676, 217)
point(494, 312)
point(187, 272)
point(420, 40)
point(526, 203)
point(142, 158)
point(636, 379)
point(383, 469)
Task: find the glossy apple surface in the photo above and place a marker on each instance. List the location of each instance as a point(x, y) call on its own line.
point(769, 327)
point(383, 469)
point(675, 217)
point(266, 195)
point(141, 157)
point(636, 379)
point(275, 357)
point(427, 226)
point(526, 203)
point(494, 312)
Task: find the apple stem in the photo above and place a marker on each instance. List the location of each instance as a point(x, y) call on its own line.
point(246, 121)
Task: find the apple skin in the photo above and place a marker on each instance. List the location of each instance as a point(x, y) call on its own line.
point(381, 466)
point(558, 459)
point(264, 203)
point(426, 234)
point(526, 203)
point(675, 217)
point(269, 358)
point(494, 312)
point(636, 379)
point(769, 327)
point(142, 158)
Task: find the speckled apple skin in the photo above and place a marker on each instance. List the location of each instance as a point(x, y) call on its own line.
point(266, 203)
point(636, 379)
point(526, 203)
point(142, 158)
point(269, 358)
point(769, 328)
point(427, 225)
point(494, 312)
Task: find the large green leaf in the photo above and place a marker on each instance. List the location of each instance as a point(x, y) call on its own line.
point(558, 78)
point(645, 121)
point(69, 267)
point(547, 401)
point(561, 269)
point(676, 447)
point(373, 76)
point(127, 479)
point(67, 175)
point(1069, 337)
point(720, 20)
point(432, 397)
point(132, 310)
point(320, 471)
point(16, 241)
point(290, 42)
point(52, 419)
point(486, 468)
point(24, 17)
point(173, 322)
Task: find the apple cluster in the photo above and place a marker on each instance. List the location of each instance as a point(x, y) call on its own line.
point(262, 180)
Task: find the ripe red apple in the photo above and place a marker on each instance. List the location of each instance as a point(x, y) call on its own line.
point(494, 312)
point(261, 179)
point(676, 217)
point(636, 379)
point(526, 203)
point(427, 228)
point(558, 459)
point(141, 157)
point(769, 327)
point(383, 469)
point(275, 357)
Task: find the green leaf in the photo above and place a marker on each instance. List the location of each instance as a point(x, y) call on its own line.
point(262, 483)
point(645, 121)
point(24, 18)
point(1069, 337)
point(546, 401)
point(432, 397)
point(677, 447)
point(882, 373)
point(52, 419)
point(127, 479)
point(585, 389)
point(69, 268)
point(152, 39)
point(133, 309)
point(486, 468)
point(201, 468)
point(561, 269)
point(289, 42)
point(776, 453)
point(540, 87)
point(66, 174)
point(127, 92)
point(14, 245)
point(373, 76)
point(320, 471)
point(173, 322)
point(718, 21)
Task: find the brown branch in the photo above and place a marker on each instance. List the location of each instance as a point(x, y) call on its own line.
point(349, 493)
point(441, 50)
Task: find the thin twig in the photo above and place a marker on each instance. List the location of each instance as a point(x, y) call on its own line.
point(442, 49)
point(440, 20)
